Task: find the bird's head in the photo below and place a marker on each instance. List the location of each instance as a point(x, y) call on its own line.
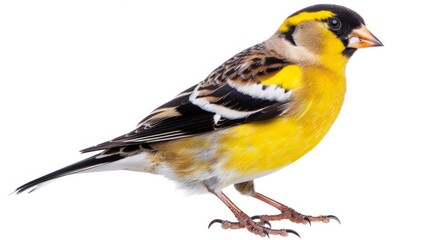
point(328, 33)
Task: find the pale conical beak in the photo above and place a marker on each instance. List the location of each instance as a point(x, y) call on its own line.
point(361, 37)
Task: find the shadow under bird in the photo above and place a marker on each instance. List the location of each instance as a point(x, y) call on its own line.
point(259, 111)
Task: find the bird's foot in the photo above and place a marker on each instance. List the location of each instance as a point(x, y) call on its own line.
point(257, 228)
point(296, 217)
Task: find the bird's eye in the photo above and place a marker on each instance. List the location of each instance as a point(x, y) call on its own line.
point(334, 23)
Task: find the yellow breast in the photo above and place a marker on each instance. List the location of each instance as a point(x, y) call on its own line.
point(269, 145)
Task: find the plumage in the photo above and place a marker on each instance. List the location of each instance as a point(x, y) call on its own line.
point(81, 166)
point(233, 91)
point(259, 111)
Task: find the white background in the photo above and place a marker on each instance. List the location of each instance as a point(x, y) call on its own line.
point(76, 73)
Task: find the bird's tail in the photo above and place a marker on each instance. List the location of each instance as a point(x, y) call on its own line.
point(92, 163)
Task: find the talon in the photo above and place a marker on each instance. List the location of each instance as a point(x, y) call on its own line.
point(266, 233)
point(332, 217)
point(256, 217)
point(293, 232)
point(215, 221)
point(267, 223)
point(308, 220)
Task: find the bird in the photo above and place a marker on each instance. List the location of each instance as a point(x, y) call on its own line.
point(259, 111)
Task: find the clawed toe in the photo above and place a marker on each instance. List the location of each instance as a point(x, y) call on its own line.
point(257, 228)
point(324, 218)
point(295, 217)
point(332, 217)
point(215, 221)
point(293, 232)
point(260, 224)
point(307, 219)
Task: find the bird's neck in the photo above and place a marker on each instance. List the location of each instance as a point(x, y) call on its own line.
point(333, 62)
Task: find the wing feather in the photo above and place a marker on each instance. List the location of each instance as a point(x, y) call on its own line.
point(232, 94)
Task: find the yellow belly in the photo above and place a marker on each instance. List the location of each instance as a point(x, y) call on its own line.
point(254, 148)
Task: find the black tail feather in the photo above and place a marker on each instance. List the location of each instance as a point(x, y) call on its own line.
point(80, 166)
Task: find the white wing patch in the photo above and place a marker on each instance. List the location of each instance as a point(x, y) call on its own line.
point(223, 111)
point(268, 92)
point(251, 90)
point(216, 118)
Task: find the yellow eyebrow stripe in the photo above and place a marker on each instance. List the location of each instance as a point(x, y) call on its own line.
point(305, 16)
point(288, 78)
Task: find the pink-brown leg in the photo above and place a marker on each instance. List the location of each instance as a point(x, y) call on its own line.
point(289, 213)
point(244, 221)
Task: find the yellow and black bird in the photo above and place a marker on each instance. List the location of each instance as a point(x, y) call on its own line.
point(259, 111)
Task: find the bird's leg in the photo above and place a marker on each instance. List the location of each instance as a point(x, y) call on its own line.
point(244, 221)
point(289, 213)
point(248, 188)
